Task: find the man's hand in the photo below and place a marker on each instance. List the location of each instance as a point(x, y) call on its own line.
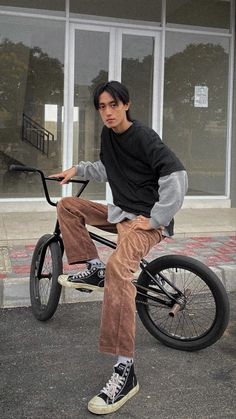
point(143, 223)
point(66, 175)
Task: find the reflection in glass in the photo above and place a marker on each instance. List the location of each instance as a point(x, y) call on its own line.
point(31, 89)
point(208, 13)
point(91, 68)
point(149, 10)
point(195, 108)
point(35, 6)
point(137, 74)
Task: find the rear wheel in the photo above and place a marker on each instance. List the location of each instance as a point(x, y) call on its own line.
point(46, 266)
point(203, 313)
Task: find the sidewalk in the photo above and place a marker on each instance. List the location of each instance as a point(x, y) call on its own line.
point(208, 235)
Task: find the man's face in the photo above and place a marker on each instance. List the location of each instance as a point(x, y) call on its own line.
point(113, 113)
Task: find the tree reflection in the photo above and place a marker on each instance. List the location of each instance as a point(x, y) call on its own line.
point(198, 135)
point(29, 80)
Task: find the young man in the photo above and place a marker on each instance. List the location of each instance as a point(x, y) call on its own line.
point(148, 185)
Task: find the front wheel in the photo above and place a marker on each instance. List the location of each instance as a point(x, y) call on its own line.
point(46, 266)
point(204, 313)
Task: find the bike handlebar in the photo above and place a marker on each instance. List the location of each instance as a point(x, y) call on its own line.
point(21, 168)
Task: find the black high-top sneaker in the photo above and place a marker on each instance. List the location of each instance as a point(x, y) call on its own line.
point(121, 387)
point(91, 278)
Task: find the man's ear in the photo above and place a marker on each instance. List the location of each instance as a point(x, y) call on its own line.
point(127, 105)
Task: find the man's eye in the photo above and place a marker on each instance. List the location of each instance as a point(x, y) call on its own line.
point(113, 105)
point(101, 106)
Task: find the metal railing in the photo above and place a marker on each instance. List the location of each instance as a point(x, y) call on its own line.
point(36, 135)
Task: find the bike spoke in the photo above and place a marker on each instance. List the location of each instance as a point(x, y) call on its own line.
point(198, 315)
point(44, 283)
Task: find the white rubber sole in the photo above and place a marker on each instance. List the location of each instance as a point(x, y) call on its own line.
point(94, 405)
point(62, 279)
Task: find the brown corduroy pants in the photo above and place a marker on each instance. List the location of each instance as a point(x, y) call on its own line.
point(117, 331)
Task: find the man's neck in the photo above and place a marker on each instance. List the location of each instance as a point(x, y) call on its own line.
point(125, 127)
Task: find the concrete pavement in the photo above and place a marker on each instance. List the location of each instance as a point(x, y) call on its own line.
point(51, 370)
point(25, 227)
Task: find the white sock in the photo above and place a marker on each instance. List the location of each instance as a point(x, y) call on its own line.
point(124, 359)
point(96, 261)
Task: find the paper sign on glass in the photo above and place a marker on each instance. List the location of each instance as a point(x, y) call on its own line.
point(201, 97)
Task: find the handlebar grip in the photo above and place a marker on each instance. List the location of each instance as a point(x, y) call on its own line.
point(21, 168)
point(58, 179)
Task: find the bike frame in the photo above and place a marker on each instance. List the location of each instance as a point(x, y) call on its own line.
point(56, 237)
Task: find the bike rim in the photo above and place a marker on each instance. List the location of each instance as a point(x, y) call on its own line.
point(43, 283)
point(196, 318)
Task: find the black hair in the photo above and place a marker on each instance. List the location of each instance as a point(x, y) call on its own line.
point(117, 90)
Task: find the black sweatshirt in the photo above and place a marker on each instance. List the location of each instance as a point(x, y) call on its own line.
point(134, 162)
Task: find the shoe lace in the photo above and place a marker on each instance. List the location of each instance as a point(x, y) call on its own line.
point(113, 385)
point(85, 273)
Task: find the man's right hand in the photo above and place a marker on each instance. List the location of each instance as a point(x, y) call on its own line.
point(66, 175)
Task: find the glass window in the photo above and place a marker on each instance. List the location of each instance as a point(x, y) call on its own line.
point(208, 13)
point(149, 10)
point(34, 6)
point(137, 74)
point(91, 69)
point(195, 108)
point(31, 101)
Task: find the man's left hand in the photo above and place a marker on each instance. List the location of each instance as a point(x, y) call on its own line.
point(142, 223)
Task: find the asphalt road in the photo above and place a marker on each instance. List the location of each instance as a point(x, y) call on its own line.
point(51, 370)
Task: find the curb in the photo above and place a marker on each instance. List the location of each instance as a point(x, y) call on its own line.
point(15, 292)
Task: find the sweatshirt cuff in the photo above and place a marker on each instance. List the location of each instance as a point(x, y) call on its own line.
point(154, 223)
point(80, 169)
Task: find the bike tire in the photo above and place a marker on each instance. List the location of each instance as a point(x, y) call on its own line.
point(205, 316)
point(45, 292)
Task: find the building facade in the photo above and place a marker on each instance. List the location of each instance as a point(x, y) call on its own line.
point(177, 57)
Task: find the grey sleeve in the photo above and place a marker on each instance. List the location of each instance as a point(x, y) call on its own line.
point(92, 171)
point(172, 189)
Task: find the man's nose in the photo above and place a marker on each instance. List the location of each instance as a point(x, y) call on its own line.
point(108, 110)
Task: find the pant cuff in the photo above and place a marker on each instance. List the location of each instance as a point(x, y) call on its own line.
point(115, 351)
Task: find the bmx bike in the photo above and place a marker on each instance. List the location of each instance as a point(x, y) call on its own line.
point(180, 301)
